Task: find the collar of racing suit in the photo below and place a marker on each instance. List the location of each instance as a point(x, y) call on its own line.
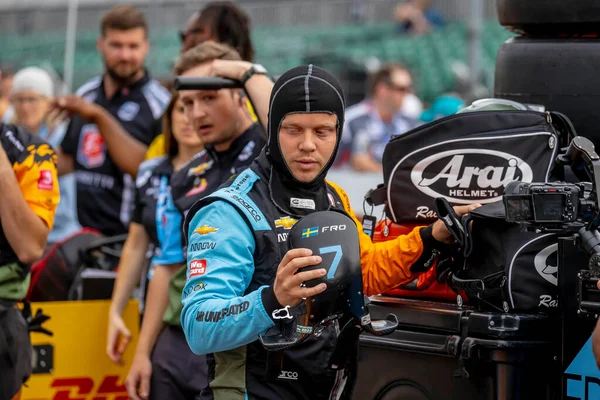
point(304, 89)
point(238, 147)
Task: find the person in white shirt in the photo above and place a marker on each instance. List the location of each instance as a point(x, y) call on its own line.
point(371, 123)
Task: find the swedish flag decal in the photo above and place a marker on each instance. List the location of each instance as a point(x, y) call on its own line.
point(310, 232)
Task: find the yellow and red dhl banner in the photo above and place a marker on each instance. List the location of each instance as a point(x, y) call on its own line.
point(80, 368)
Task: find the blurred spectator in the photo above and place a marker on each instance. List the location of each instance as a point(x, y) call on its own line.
point(32, 92)
point(222, 22)
point(371, 123)
point(417, 17)
point(189, 33)
point(105, 158)
point(147, 226)
point(225, 22)
point(441, 107)
point(6, 81)
point(188, 40)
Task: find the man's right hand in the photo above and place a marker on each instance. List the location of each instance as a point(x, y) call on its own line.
point(138, 379)
point(118, 338)
point(76, 105)
point(287, 287)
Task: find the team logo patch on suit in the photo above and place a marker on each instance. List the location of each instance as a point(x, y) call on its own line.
point(128, 111)
point(200, 169)
point(205, 230)
point(198, 188)
point(197, 268)
point(285, 222)
point(45, 181)
point(247, 151)
point(307, 204)
point(92, 150)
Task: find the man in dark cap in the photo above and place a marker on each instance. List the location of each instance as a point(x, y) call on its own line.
point(241, 269)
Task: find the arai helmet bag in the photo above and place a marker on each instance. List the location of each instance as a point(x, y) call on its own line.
point(507, 269)
point(467, 158)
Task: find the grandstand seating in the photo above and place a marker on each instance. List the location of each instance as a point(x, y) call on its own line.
point(344, 49)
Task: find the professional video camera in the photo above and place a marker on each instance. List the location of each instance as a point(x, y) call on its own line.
point(552, 206)
point(569, 208)
point(559, 206)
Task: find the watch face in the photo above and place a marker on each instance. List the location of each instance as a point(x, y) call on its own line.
point(255, 69)
point(259, 69)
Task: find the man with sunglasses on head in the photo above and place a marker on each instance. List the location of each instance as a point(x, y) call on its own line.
point(371, 123)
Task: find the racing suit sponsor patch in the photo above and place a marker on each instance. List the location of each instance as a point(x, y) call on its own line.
point(92, 150)
point(200, 169)
point(205, 230)
point(197, 268)
point(195, 288)
point(285, 222)
point(45, 181)
point(202, 246)
point(199, 187)
point(216, 316)
point(307, 204)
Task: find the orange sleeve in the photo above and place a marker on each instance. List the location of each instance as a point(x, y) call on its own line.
point(385, 265)
point(38, 179)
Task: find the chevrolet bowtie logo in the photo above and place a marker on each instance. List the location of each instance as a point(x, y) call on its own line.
point(200, 169)
point(285, 222)
point(205, 229)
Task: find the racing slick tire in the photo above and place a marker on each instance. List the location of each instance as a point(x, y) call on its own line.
point(561, 74)
point(550, 17)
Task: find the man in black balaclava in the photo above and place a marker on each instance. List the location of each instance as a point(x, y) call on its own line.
point(241, 271)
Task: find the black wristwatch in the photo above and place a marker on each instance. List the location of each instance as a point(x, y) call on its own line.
point(254, 69)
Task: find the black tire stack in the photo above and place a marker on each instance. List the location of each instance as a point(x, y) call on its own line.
point(555, 60)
